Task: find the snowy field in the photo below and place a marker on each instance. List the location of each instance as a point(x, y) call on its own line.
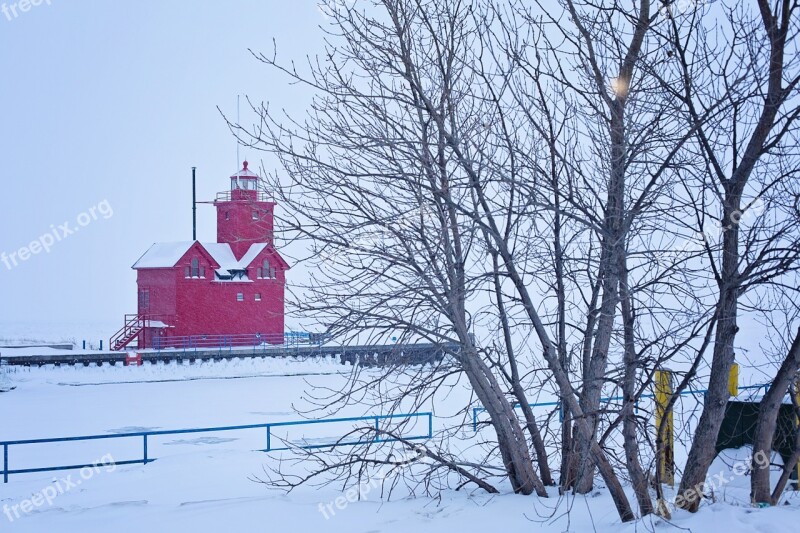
point(14, 333)
point(205, 482)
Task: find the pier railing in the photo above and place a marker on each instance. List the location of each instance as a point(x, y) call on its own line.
point(375, 421)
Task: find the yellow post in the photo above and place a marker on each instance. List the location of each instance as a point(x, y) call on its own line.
point(666, 455)
point(733, 380)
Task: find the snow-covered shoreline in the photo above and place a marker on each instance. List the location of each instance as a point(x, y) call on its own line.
point(206, 482)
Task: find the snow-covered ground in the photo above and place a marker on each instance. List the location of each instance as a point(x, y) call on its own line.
point(59, 332)
point(205, 482)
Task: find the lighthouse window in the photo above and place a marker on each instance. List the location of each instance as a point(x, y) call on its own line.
point(266, 271)
point(195, 268)
point(258, 296)
point(240, 297)
point(255, 215)
point(227, 215)
point(144, 299)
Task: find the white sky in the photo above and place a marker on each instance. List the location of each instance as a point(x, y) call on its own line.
point(117, 101)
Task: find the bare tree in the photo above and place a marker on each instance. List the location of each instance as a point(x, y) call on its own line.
point(790, 465)
point(737, 95)
point(767, 421)
point(513, 184)
point(371, 182)
point(626, 119)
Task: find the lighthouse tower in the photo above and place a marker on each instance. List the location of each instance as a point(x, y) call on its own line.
point(244, 213)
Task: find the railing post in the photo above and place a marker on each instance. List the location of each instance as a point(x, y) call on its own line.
point(269, 438)
point(145, 448)
point(430, 425)
point(5, 463)
point(377, 429)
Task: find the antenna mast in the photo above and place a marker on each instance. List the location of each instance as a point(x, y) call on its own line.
point(194, 206)
point(238, 161)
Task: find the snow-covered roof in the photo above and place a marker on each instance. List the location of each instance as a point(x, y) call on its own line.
point(163, 255)
point(223, 255)
point(252, 253)
point(167, 255)
point(156, 324)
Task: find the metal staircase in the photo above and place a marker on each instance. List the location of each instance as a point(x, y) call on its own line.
point(134, 324)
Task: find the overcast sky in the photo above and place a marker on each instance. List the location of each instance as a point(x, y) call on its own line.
point(109, 105)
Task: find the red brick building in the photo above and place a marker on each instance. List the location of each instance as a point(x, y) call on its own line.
point(229, 292)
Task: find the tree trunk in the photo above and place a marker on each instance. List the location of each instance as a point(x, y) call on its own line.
point(791, 464)
point(571, 404)
point(514, 379)
point(704, 442)
point(510, 437)
point(536, 435)
point(629, 428)
point(613, 240)
point(768, 420)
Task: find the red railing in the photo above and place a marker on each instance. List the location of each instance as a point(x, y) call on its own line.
point(259, 196)
point(134, 324)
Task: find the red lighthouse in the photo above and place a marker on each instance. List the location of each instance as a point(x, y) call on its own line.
point(229, 292)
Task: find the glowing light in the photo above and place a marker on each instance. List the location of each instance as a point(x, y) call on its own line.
point(620, 87)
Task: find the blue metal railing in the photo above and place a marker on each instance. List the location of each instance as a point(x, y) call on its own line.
point(145, 434)
point(477, 410)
